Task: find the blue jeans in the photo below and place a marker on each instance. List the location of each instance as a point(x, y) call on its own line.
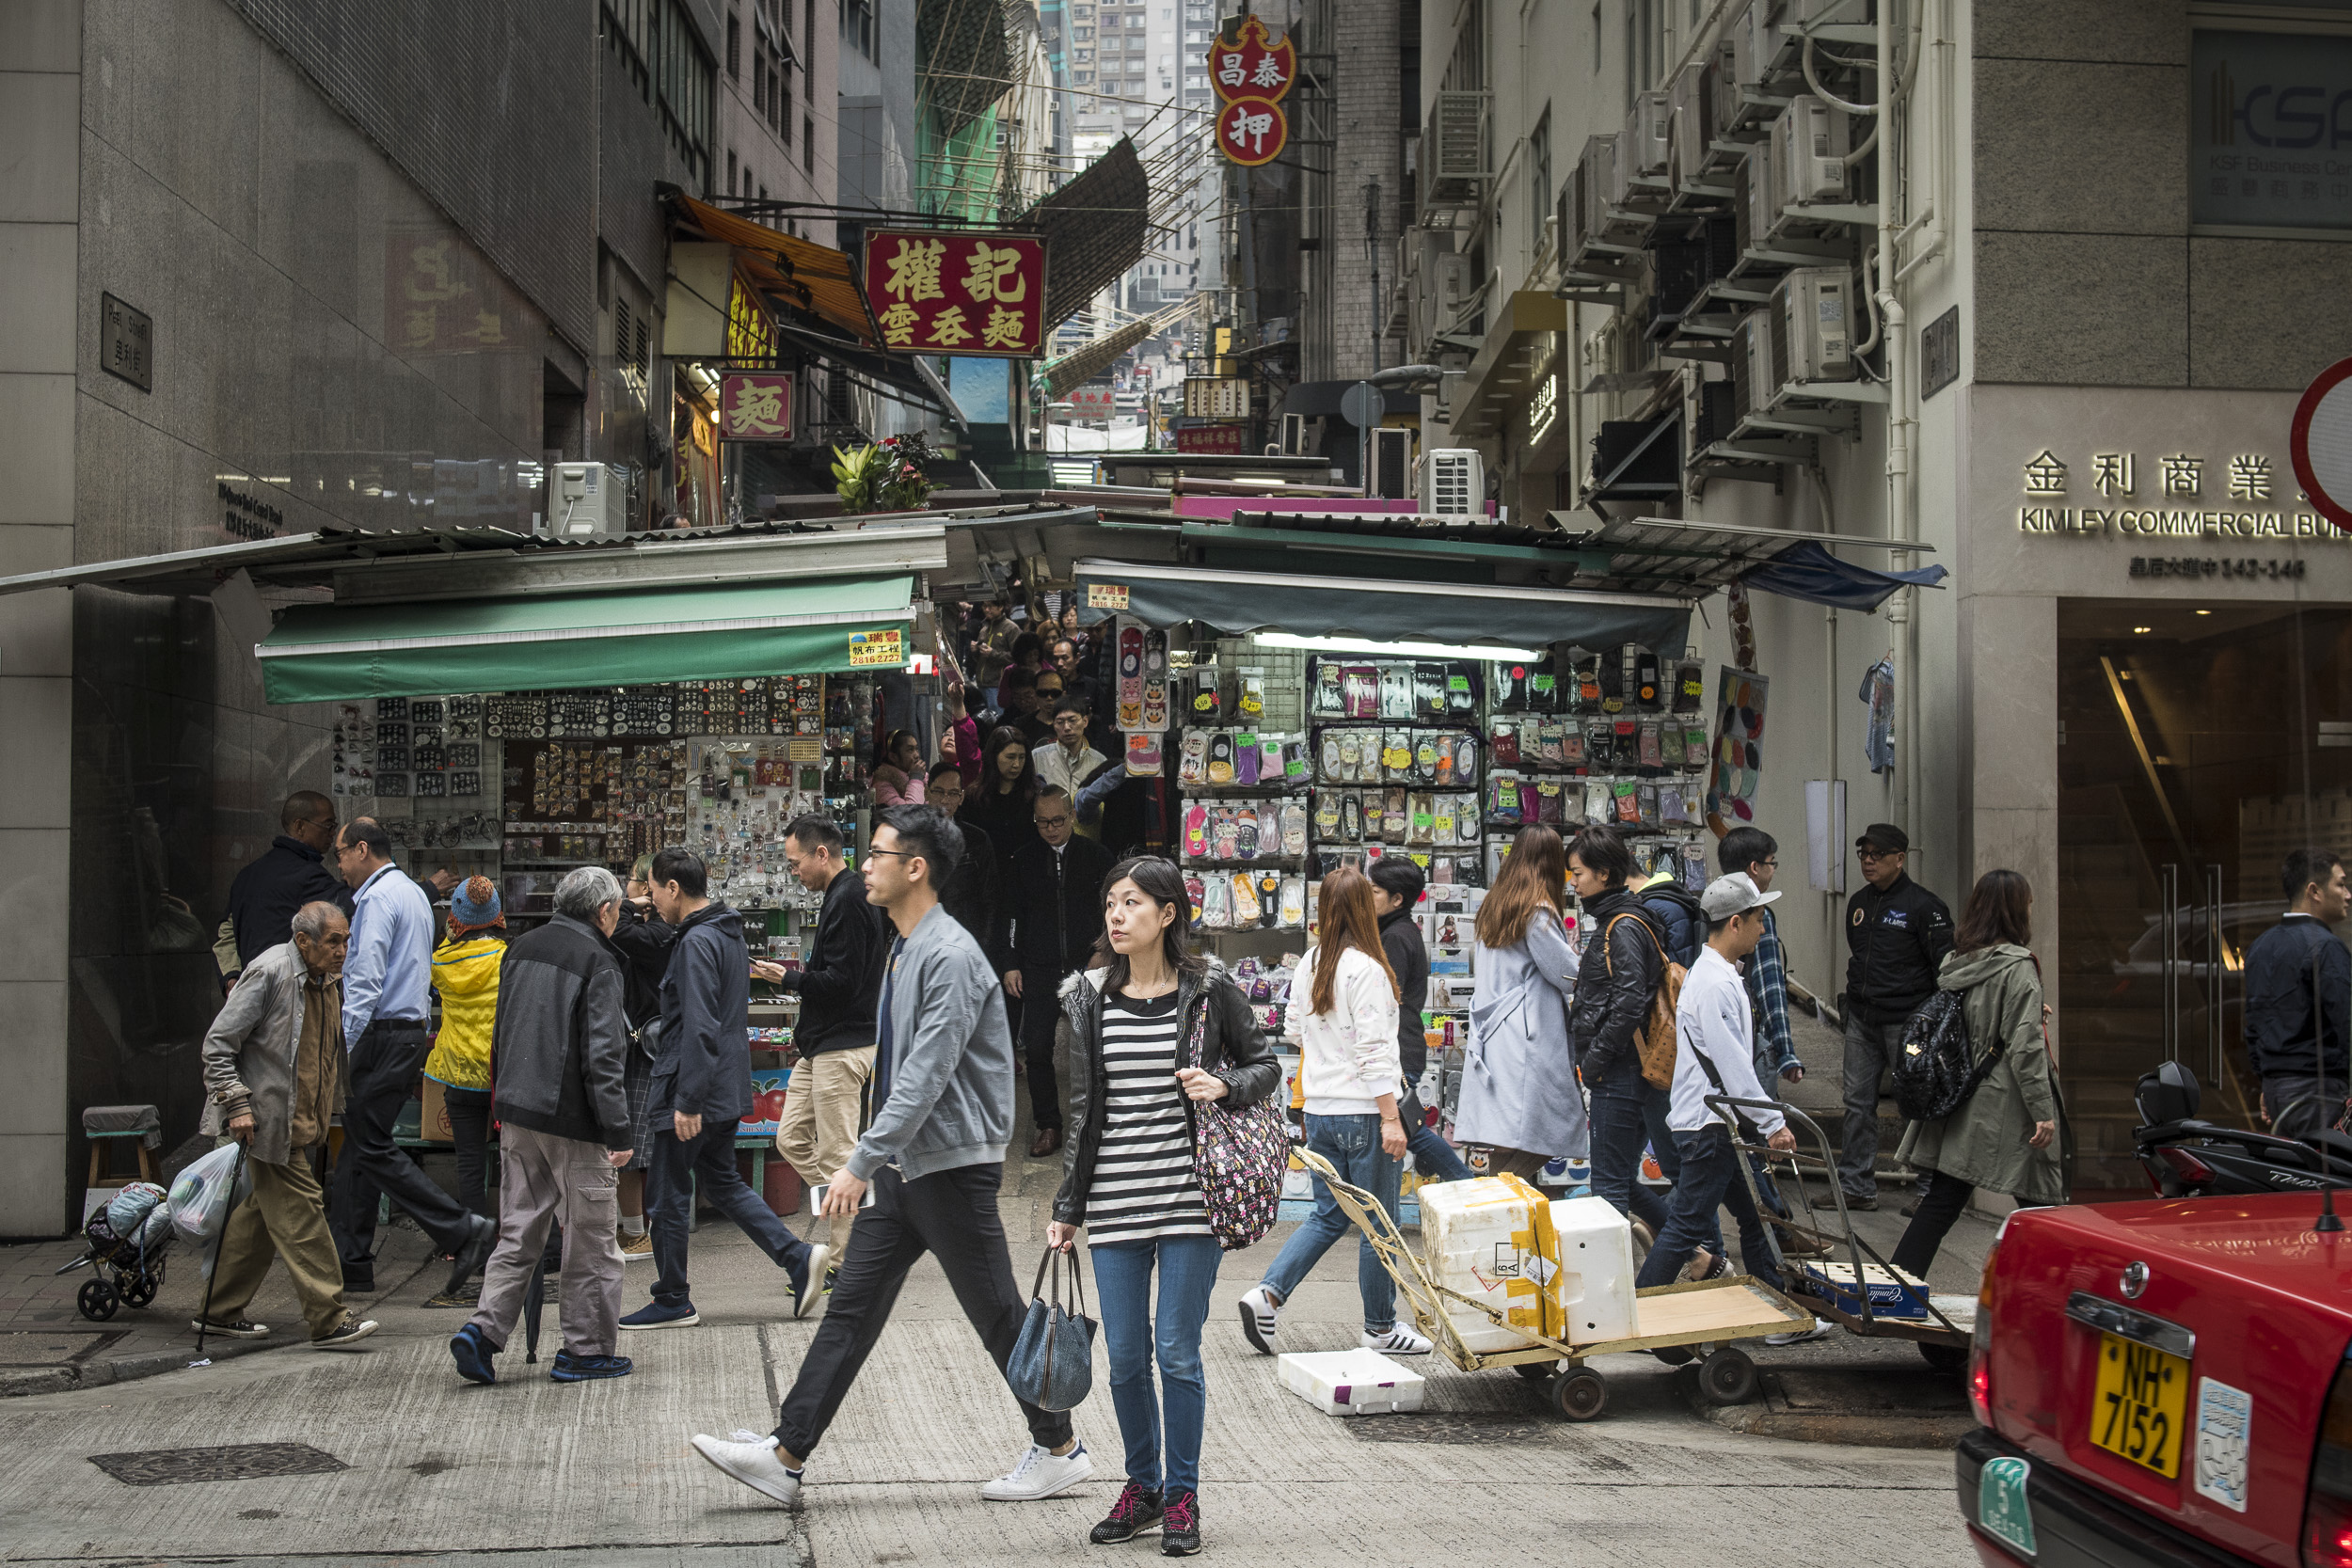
point(670, 1186)
point(1710, 1180)
point(1432, 1157)
point(1627, 1113)
point(1352, 1144)
point(1122, 1288)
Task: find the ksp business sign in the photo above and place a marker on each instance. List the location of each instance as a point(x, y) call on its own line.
point(2270, 140)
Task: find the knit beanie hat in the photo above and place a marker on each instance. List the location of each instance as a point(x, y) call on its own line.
point(476, 904)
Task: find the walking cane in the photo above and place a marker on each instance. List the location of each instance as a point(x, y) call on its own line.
point(533, 1295)
point(204, 1319)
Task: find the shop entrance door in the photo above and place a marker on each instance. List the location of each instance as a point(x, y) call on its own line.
point(2198, 744)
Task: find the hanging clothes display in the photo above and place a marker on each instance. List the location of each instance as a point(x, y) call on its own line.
point(1878, 739)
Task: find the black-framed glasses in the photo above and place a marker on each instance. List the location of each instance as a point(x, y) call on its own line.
point(1876, 854)
point(1051, 822)
point(900, 854)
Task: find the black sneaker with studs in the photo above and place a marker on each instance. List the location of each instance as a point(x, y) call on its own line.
point(1135, 1511)
point(1180, 1525)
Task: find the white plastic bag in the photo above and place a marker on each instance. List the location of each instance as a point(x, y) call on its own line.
point(131, 1208)
point(203, 1195)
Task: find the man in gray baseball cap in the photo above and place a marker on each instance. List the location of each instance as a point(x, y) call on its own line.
point(1713, 1056)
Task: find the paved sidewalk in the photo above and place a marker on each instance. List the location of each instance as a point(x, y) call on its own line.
point(531, 1468)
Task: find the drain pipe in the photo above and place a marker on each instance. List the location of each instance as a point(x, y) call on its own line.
point(1902, 526)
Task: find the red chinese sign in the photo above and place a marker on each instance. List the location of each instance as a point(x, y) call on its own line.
point(1253, 66)
point(755, 406)
point(958, 292)
point(1211, 438)
point(1252, 131)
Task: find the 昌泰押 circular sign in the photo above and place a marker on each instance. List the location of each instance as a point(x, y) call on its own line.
point(2321, 443)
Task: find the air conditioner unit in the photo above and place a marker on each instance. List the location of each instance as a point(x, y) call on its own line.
point(1710, 412)
point(1810, 140)
point(583, 503)
point(1293, 435)
point(1456, 164)
point(1812, 325)
point(1754, 386)
point(1756, 201)
point(1723, 96)
point(1391, 471)
point(1760, 50)
point(1646, 148)
point(1693, 121)
point(1455, 284)
point(1453, 483)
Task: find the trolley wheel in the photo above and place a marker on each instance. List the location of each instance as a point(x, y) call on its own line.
point(136, 1289)
point(1673, 1355)
point(97, 1300)
point(1944, 1358)
point(1578, 1394)
point(1727, 1377)
point(1536, 1371)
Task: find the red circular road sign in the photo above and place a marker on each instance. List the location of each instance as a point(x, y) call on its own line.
point(2321, 444)
point(1252, 131)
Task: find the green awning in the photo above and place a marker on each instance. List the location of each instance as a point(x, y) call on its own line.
point(327, 652)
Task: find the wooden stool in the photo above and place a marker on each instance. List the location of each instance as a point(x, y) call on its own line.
point(105, 1124)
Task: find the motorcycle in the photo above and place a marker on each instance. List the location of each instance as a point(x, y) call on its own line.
point(2185, 1157)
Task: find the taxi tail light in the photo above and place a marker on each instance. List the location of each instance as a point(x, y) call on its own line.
point(1981, 1340)
point(2328, 1515)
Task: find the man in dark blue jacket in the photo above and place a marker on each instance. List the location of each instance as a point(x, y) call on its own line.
point(702, 1086)
point(2297, 976)
point(292, 872)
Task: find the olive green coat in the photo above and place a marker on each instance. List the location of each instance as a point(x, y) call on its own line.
point(1984, 1142)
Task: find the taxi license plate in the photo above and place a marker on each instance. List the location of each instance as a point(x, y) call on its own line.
point(2140, 1404)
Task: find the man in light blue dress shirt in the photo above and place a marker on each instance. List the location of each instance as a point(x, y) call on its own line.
point(387, 1005)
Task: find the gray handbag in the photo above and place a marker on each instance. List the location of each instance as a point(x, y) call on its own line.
point(1051, 1365)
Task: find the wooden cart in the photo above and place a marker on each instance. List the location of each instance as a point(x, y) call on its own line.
point(1685, 1318)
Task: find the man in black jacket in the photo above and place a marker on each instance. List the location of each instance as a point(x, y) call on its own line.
point(702, 1085)
point(970, 893)
point(1896, 936)
point(1624, 963)
point(2296, 978)
point(838, 984)
point(292, 872)
point(558, 1050)
point(1055, 907)
point(1396, 885)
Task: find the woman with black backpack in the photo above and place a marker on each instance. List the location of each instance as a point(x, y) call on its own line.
point(2005, 1136)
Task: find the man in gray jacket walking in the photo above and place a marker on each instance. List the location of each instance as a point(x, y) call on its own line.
point(273, 1081)
point(933, 1153)
point(557, 1051)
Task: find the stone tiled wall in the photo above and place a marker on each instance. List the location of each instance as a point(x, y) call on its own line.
point(2086, 273)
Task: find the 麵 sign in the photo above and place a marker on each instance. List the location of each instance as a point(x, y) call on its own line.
point(755, 406)
point(958, 291)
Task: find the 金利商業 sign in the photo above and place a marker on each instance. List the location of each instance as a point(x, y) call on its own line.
point(972, 291)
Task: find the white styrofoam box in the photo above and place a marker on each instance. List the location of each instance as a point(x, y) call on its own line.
point(1350, 1382)
point(1471, 1241)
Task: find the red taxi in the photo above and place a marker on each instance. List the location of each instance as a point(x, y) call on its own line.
point(2163, 1383)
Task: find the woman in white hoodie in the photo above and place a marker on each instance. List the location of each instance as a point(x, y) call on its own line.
point(1344, 1023)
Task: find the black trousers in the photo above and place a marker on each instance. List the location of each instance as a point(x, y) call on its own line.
point(1041, 1009)
point(1945, 1197)
point(952, 1215)
point(382, 1073)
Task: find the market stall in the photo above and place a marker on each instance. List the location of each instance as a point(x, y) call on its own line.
point(1304, 721)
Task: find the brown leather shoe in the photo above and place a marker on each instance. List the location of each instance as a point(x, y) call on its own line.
point(1048, 1140)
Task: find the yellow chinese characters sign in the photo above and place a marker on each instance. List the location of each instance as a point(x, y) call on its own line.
point(877, 650)
point(971, 291)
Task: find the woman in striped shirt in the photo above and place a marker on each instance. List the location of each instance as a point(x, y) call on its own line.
point(1151, 1031)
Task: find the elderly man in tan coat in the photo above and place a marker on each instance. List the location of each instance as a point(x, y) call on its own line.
point(274, 1080)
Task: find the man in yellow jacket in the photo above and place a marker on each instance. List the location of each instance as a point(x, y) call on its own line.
point(465, 976)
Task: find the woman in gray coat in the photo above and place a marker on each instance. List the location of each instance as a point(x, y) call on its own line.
point(2005, 1136)
point(1519, 1093)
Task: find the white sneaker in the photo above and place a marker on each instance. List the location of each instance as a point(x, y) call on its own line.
point(1040, 1474)
point(1801, 1336)
point(754, 1463)
point(1399, 1341)
point(1258, 1312)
